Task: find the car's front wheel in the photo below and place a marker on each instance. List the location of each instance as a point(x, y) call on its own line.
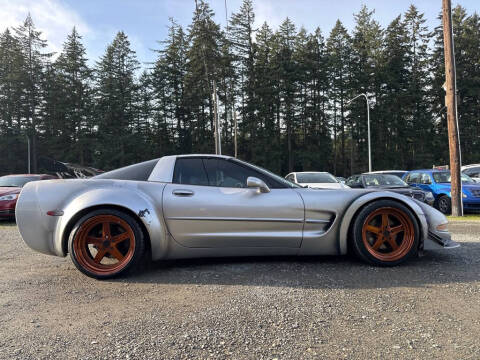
point(106, 243)
point(444, 204)
point(385, 233)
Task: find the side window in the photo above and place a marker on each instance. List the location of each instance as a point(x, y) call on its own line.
point(425, 179)
point(223, 173)
point(351, 180)
point(413, 178)
point(190, 171)
point(358, 182)
point(291, 178)
point(473, 172)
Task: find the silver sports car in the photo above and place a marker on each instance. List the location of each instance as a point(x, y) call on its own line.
point(189, 206)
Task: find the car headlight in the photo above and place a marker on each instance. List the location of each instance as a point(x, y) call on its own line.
point(8, 197)
point(442, 227)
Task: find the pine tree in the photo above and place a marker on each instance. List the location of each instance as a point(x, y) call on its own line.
point(241, 35)
point(12, 135)
point(367, 43)
point(168, 76)
point(394, 76)
point(339, 49)
point(419, 125)
point(35, 60)
point(116, 92)
point(204, 59)
point(70, 104)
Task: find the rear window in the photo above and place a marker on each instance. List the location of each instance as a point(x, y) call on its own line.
point(137, 172)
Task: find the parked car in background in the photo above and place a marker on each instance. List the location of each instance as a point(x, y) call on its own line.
point(398, 173)
point(438, 182)
point(10, 187)
point(341, 179)
point(390, 183)
point(473, 171)
point(316, 180)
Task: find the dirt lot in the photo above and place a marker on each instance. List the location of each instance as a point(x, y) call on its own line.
point(255, 308)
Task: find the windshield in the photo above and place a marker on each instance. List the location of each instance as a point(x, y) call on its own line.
point(384, 180)
point(316, 178)
point(269, 173)
point(445, 177)
point(16, 181)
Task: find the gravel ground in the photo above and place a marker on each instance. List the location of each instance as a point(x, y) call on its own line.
point(249, 308)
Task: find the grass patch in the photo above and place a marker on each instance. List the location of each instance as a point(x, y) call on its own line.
point(468, 217)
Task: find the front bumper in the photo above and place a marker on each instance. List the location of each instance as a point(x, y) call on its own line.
point(469, 204)
point(440, 240)
point(7, 208)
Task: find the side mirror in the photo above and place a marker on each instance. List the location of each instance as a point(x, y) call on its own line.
point(253, 182)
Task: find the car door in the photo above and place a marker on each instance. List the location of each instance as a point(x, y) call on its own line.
point(208, 204)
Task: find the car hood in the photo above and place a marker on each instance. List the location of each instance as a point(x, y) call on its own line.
point(471, 186)
point(397, 189)
point(448, 187)
point(9, 190)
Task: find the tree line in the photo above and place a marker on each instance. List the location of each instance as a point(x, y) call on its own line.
point(288, 89)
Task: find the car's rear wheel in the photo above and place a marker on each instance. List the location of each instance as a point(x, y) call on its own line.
point(385, 233)
point(444, 204)
point(106, 243)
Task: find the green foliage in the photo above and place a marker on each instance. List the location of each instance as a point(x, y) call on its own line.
point(289, 89)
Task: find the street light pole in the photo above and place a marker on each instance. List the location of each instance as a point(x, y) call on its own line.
point(368, 128)
point(28, 147)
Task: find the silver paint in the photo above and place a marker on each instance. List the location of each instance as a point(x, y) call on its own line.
point(203, 221)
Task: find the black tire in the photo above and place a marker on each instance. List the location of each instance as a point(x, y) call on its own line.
point(364, 241)
point(83, 258)
point(444, 204)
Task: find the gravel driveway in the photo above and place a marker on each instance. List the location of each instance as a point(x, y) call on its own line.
point(249, 308)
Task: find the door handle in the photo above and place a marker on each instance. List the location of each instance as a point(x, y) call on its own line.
point(182, 192)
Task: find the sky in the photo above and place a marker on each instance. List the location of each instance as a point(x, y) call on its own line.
point(145, 21)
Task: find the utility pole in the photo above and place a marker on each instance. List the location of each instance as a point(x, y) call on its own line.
point(451, 104)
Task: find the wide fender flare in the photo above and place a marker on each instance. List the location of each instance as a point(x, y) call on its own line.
point(133, 200)
point(355, 206)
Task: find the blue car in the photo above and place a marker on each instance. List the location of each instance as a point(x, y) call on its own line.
point(438, 183)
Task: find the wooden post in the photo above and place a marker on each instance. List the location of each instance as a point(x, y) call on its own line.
point(451, 104)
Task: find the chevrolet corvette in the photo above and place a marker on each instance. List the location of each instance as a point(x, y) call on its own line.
point(187, 206)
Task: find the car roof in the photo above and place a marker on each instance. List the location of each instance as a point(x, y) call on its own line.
point(310, 172)
point(430, 170)
point(30, 175)
point(204, 155)
point(384, 171)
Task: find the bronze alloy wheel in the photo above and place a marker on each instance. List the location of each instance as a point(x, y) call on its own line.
point(388, 234)
point(104, 245)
